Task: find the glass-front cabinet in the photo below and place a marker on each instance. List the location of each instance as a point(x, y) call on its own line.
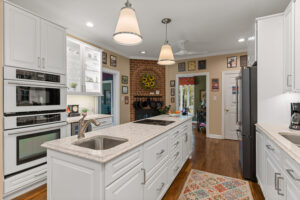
point(84, 68)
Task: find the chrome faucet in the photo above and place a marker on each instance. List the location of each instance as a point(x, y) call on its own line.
point(82, 125)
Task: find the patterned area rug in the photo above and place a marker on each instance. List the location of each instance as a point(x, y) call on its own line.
point(207, 186)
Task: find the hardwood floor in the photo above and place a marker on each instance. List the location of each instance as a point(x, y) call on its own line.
point(211, 155)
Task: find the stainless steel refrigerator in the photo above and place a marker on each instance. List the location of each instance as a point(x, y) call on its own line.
point(246, 120)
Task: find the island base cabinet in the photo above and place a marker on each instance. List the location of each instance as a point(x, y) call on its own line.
point(292, 192)
point(129, 186)
point(65, 170)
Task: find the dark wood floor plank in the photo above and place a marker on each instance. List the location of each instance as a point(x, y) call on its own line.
point(211, 155)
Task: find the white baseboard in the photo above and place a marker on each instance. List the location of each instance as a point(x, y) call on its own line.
point(214, 136)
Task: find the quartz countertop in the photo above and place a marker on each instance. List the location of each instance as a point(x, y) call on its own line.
point(136, 134)
point(92, 116)
point(272, 131)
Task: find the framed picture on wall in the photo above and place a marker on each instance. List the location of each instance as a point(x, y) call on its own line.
point(181, 67)
point(191, 65)
point(104, 58)
point(124, 79)
point(172, 99)
point(232, 62)
point(124, 90)
point(215, 84)
point(172, 92)
point(113, 61)
point(172, 83)
point(201, 64)
point(126, 99)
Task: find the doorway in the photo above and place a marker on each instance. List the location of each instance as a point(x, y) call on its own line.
point(192, 95)
point(107, 97)
point(229, 104)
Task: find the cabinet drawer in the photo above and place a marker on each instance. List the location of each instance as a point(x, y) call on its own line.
point(176, 154)
point(25, 179)
point(157, 185)
point(155, 152)
point(119, 166)
point(175, 144)
point(174, 169)
point(273, 149)
point(292, 171)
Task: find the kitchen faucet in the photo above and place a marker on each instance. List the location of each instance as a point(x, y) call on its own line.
point(82, 125)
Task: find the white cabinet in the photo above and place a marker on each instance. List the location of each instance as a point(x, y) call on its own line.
point(260, 158)
point(297, 46)
point(292, 192)
point(53, 48)
point(33, 43)
point(84, 68)
point(21, 38)
point(128, 186)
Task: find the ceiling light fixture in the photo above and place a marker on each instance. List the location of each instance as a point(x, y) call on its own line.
point(251, 38)
point(143, 52)
point(166, 56)
point(241, 40)
point(89, 24)
point(127, 30)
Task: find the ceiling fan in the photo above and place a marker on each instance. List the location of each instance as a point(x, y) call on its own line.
point(183, 51)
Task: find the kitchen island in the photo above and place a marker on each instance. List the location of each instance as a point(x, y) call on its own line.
point(128, 161)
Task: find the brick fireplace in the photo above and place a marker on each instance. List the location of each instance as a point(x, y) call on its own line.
point(138, 68)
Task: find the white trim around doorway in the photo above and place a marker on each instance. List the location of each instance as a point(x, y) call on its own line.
point(223, 101)
point(116, 93)
point(207, 95)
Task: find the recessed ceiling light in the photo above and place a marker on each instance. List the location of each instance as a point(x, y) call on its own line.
point(251, 38)
point(241, 40)
point(89, 24)
point(143, 52)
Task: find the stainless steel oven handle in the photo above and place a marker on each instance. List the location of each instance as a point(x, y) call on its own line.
point(24, 83)
point(38, 128)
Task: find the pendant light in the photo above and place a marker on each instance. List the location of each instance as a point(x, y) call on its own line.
point(127, 30)
point(166, 54)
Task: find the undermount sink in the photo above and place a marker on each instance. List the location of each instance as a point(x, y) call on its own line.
point(100, 142)
point(292, 138)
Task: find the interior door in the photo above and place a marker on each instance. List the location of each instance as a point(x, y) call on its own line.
point(53, 49)
point(230, 105)
point(21, 38)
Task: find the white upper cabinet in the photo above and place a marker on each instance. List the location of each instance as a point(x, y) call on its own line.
point(297, 46)
point(291, 47)
point(53, 48)
point(21, 38)
point(33, 43)
point(84, 68)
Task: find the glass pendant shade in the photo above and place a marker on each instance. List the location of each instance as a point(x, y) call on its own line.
point(127, 31)
point(166, 55)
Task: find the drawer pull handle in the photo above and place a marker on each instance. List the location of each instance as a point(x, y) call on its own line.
point(270, 147)
point(276, 181)
point(161, 187)
point(42, 173)
point(177, 154)
point(291, 173)
point(176, 169)
point(161, 152)
point(176, 144)
point(186, 137)
point(144, 176)
point(278, 186)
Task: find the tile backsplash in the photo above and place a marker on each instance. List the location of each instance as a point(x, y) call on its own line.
point(89, 102)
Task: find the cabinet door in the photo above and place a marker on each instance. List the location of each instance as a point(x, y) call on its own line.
point(288, 53)
point(297, 47)
point(129, 186)
point(260, 158)
point(292, 192)
point(272, 174)
point(185, 146)
point(21, 38)
point(53, 49)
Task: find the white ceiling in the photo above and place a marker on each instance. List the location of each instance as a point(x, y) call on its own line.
point(210, 26)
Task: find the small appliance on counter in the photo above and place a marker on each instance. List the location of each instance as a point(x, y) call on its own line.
point(73, 110)
point(295, 119)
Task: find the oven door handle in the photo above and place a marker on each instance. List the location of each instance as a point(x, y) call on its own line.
point(37, 84)
point(36, 128)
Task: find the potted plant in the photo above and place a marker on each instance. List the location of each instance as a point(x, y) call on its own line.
point(73, 86)
point(84, 111)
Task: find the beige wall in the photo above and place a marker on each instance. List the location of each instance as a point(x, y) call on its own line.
point(123, 68)
point(215, 65)
point(1, 103)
